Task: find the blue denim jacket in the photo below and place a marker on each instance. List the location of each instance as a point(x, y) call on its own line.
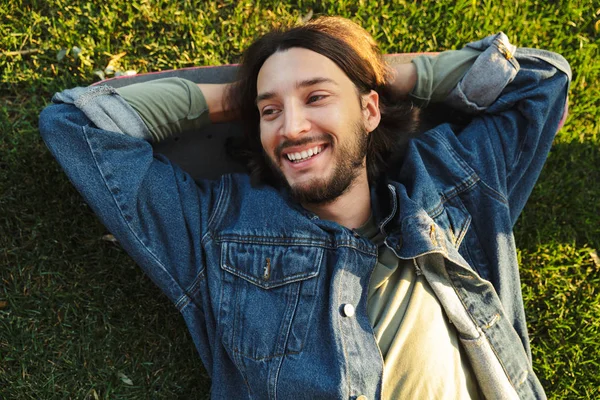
point(261, 282)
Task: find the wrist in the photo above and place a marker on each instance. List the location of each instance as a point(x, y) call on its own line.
point(404, 78)
point(214, 95)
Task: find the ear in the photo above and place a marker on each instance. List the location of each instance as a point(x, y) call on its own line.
point(370, 110)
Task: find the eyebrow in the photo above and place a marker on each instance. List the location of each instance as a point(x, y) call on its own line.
point(300, 84)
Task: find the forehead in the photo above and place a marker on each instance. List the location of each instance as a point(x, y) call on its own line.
point(283, 70)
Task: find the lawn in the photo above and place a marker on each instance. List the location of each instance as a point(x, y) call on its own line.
point(79, 320)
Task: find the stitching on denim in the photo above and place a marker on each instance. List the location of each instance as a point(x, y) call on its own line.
point(282, 282)
point(135, 235)
point(287, 337)
point(182, 303)
point(266, 358)
point(463, 228)
point(494, 193)
point(483, 333)
point(223, 186)
point(523, 139)
point(194, 287)
point(470, 177)
point(268, 240)
point(474, 176)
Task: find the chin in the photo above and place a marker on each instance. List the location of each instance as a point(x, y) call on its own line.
point(318, 191)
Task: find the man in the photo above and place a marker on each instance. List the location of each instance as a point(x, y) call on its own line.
point(347, 267)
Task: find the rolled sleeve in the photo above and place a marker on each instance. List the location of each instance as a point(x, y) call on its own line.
point(491, 72)
point(106, 109)
point(438, 75)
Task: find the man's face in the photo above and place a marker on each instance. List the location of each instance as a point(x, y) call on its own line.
point(311, 124)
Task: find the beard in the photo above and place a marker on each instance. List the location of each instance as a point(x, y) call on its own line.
point(349, 164)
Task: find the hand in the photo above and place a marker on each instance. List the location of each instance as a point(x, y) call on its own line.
point(404, 79)
point(214, 94)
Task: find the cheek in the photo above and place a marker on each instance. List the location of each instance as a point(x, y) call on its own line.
point(334, 119)
point(266, 139)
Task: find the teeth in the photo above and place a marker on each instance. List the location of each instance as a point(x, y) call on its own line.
point(304, 154)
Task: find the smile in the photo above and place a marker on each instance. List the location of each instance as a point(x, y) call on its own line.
point(304, 154)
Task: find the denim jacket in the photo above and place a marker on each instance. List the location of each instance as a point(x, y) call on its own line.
point(262, 282)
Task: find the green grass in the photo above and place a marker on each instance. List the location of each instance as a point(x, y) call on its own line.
point(79, 320)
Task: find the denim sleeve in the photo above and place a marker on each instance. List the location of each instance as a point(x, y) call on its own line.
point(106, 109)
point(154, 209)
point(519, 97)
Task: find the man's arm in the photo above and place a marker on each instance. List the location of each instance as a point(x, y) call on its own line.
point(215, 95)
point(404, 78)
point(518, 97)
point(171, 106)
point(431, 78)
point(157, 212)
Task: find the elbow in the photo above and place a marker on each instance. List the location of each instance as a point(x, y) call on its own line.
point(55, 119)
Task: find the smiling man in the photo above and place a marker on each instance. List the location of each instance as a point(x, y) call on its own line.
point(352, 262)
point(313, 129)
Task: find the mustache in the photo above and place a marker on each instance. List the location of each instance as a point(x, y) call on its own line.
point(300, 142)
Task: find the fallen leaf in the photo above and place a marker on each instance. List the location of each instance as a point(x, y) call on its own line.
point(3, 305)
point(99, 74)
point(125, 379)
point(109, 238)
point(61, 54)
point(92, 395)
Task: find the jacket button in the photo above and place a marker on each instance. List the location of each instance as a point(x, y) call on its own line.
point(362, 397)
point(348, 310)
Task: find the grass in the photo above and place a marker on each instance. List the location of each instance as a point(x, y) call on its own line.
point(79, 320)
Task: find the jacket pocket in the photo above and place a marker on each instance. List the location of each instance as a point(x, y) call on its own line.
point(268, 296)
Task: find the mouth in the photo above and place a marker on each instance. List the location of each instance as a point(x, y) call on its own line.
point(304, 155)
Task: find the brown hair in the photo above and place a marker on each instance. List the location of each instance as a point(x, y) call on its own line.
point(356, 53)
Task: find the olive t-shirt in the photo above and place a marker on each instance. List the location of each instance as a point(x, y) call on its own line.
point(422, 355)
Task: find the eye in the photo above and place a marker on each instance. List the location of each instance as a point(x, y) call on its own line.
point(315, 98)
point(269, 112)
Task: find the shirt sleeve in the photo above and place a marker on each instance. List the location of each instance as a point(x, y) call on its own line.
point(152, 111)
point(438, 75)
point(168, 106)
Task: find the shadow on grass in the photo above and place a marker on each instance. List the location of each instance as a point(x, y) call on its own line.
point(79, 316)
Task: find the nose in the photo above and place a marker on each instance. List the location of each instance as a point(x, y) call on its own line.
point(295, 121)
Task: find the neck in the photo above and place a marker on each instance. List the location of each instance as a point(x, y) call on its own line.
point(351, 209)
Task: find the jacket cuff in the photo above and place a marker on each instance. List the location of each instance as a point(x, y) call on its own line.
point(495, 68)
point(106, 109)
